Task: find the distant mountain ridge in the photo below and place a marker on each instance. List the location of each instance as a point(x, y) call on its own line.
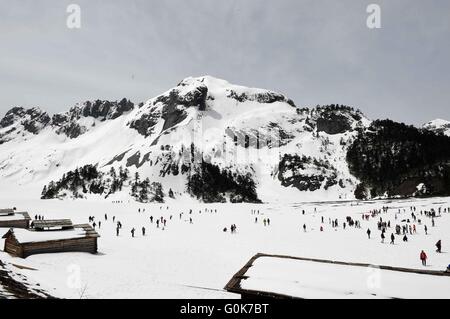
point(438, 126)
point(215, 141)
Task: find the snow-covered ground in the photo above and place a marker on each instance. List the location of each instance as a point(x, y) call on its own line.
point(306, 279)
point(196, 260)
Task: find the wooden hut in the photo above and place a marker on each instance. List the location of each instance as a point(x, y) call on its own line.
point(23, 243)
point(9, 218)
point(54, 224)
point(286, 277)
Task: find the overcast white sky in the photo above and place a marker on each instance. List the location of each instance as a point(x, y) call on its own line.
point(314, 51)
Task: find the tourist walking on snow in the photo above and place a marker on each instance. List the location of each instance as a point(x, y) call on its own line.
point(368, 233)
point(423, 258)
point(132, 232)
point(143, 231)
point(439, 246)
point(392, 239)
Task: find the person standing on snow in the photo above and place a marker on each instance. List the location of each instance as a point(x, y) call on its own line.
point(143, 231)
point(132, 232)
point(423, 258)
point(392, 239)
point(439, 246)
point(368, 233)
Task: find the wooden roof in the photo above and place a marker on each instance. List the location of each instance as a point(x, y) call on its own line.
point(90, 232)
point(58, 235)
point(6, 211)
point(234, 285)
point(52, 223)
point(14, 216)
point(8, 233)
point(24, 214)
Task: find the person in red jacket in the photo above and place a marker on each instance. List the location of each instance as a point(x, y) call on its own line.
point(423, 258)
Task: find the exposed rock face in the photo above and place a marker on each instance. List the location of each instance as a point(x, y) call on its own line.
point(306, 173)
point(12, 116)
point(106, 110)
point(144, 125)
point(174, 105)
point(72, 130)
point(266, 97)
point(333, 119)
point(171, 108)
point(33, 120)
point(67, 123)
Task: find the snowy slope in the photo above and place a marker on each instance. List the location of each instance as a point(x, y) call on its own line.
point(438, 126)
point(184, 260)
point(242, 129)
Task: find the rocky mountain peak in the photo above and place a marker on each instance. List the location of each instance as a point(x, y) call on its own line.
point(33, 119)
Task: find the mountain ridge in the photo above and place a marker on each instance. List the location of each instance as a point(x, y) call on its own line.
point(246, 136)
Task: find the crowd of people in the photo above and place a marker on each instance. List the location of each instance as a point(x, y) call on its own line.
point(400, 223)
point(400, 226)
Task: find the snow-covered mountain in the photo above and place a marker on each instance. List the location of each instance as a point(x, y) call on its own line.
point(438, 126)
point(204, 138)
point(240, 129)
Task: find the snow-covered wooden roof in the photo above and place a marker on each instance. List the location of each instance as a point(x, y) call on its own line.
point(41, 224)
point(14, 216)
point(31, 236)
point(6, 211)
point(302, 278)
